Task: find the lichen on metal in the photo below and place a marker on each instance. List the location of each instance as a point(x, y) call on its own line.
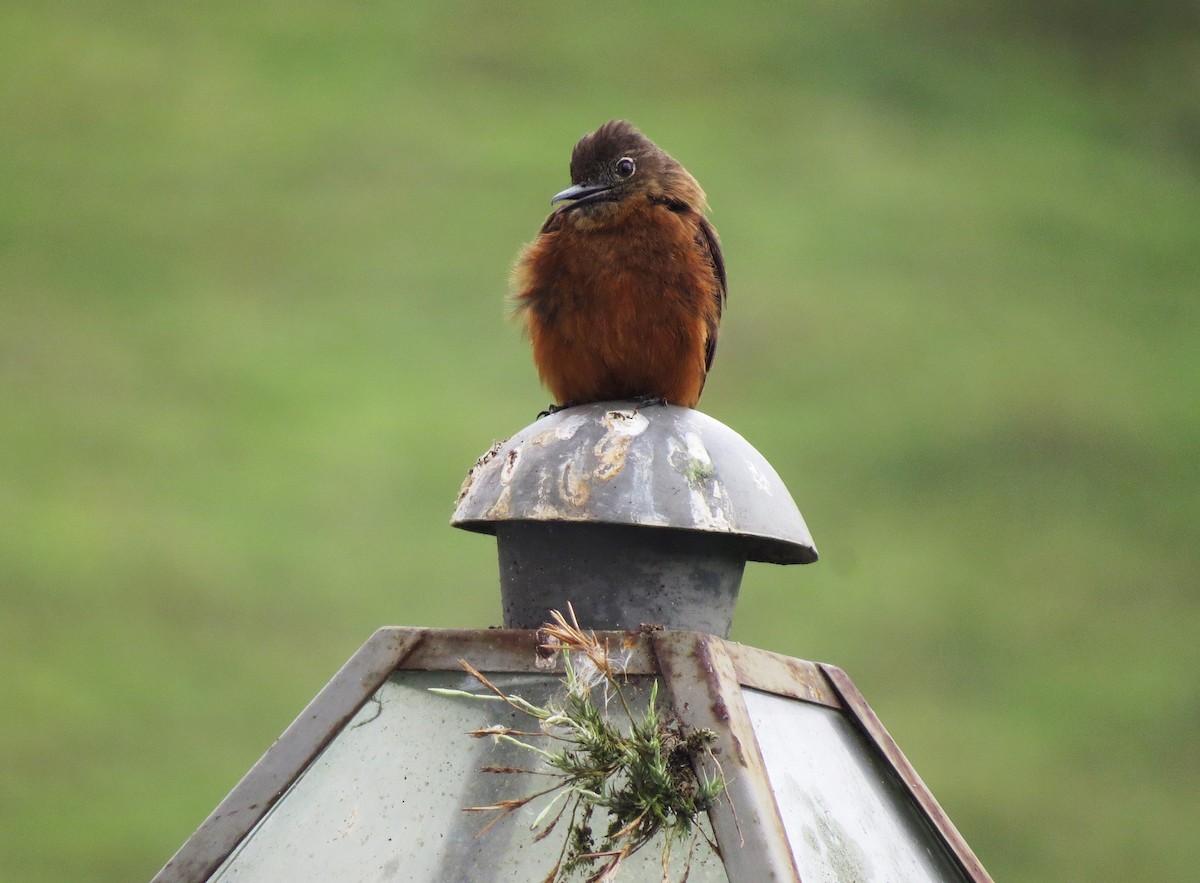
point(654, 466)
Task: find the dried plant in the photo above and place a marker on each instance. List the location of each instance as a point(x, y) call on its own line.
point(637, 771)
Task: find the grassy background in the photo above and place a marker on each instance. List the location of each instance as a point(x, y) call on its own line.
point(252, 260)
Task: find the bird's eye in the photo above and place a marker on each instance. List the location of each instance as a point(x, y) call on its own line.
point(625, 167)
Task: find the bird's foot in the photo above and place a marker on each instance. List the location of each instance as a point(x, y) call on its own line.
point(554, 409)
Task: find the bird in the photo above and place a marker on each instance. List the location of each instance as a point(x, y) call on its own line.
point(623, 289)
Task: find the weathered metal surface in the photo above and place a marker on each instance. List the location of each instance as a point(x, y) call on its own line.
point(703, 680)
point(781, 675)
point(860, 712)
point(384, 802)
point(617, 576)
point(655, 466)
point(516, 650)
point(704, 692)
point(316, 726)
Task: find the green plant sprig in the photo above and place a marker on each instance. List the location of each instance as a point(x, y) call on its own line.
point(640, 773)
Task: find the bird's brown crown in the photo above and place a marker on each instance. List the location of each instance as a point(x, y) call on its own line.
point(597, 159)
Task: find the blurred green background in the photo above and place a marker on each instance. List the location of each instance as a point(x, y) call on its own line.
point(252, 333)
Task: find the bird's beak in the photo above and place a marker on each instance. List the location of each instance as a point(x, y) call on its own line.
point(579, 192)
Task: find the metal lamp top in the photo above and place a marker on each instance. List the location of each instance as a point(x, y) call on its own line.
point(653, 466)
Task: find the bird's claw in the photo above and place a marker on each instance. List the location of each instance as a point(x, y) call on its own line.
point(554, 409)
point(646, 401)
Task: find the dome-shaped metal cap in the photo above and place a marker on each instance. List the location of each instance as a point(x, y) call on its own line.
point(652, 466)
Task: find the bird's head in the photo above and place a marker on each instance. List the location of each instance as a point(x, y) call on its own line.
point(616, 163)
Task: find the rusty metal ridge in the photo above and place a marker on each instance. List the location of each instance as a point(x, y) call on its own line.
point(516, 650)
point(703, 689)
point(301, 742)
point(782, 675)
point(860, 712)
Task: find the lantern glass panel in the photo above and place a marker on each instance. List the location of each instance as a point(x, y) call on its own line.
point(385, 799)
point(846, 814)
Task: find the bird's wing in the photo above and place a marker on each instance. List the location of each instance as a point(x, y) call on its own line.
point(710, 246)
point(553, 223)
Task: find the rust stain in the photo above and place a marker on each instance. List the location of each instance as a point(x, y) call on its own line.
point(573, 484)
point(511, 462)
point(544, 511)
point(804, 674)
point(717, 705)
point(487, 457)
point(720, 710)
point(500, 509)
point(738, 751)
